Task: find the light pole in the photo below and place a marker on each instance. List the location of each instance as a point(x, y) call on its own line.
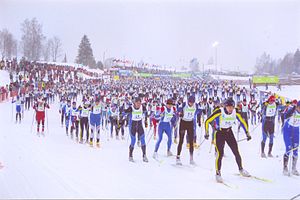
point(215, 45)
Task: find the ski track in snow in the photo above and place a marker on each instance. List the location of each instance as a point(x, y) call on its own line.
point(56, 167)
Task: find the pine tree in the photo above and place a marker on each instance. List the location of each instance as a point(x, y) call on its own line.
point(85, 53)
point(297, 61)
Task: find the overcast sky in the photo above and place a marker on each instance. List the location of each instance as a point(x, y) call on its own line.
point(165, 32)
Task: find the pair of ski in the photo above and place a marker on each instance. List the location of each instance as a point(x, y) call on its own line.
point(256, 178)
point(251, 177)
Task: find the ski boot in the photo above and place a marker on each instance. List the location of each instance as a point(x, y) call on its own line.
point(219, 178)
point(178, 161)
point(91, 143)
point(131, 159)
point(244, 173)
point(192, 162)
point(263, 155)
point(145, 159)
point(270, 150)
point(294, 170)
point(130, 154)
point(196, 146)
point(285, 164)
point(155, 155)
point(169, 153)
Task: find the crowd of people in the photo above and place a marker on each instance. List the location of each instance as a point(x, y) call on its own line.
point(173, 106)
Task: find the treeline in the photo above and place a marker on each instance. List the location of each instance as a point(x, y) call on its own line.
point(35, 46)
point(289, 64)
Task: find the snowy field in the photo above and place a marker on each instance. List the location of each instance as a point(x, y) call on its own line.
point(54, 166)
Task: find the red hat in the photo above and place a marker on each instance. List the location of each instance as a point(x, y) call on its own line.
point(272, 98)
point(295, 101)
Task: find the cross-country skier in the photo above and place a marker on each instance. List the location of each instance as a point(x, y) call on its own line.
point(74, 120)
point(268, 124)
point(84, 114)
point(40, 108)
point(95, 122)
point(67, 110)
point(62, 109)
point(136, 127)
point(188, 112)
point(166, 116)
point(225, 118)
point(18, 108)
point(291, 138)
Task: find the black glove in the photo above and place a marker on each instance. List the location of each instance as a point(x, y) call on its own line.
point(206, 136)
point(248, 137)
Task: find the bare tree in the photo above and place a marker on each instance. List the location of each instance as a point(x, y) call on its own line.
point(47, 49)
point(56, 48)
point(32, 39)
point(8, 45)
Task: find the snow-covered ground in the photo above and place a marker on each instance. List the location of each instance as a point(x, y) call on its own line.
point(4, 78)
point(54, 166)
point(289, 91)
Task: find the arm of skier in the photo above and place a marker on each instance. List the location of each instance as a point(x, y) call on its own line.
point(243, 124)
point(211, 118)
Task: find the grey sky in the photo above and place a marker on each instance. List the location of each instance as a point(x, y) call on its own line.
point(165, 32)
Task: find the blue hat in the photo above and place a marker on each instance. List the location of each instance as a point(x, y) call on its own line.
point(191, 99)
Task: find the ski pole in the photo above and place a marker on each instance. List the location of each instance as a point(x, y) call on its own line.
point(295, 197)
point(12, 111)
point(202, 142)
point(254, 128)
point(211, 144)
point(149, 138)
point(32, 122)
point(241, 140)
point(47, 121)
point(148, 132)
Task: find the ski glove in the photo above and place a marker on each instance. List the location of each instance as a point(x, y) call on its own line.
point(206, 136)
point(248, 137)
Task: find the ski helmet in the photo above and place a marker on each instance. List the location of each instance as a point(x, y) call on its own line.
point(229, 102)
